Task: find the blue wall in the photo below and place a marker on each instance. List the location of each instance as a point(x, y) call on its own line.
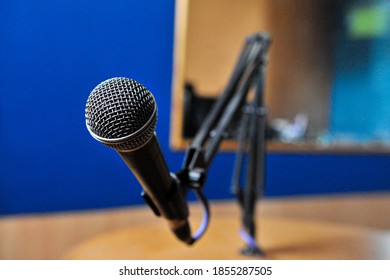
point(53, 53)
point(361, 94)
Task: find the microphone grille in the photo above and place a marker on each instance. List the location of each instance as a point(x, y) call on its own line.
point(121, 113)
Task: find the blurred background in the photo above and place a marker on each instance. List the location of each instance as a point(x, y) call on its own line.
point(53, 53)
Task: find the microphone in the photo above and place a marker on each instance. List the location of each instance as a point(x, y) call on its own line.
point(122, 114)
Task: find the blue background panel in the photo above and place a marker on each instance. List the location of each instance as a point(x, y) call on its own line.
point(53, 53)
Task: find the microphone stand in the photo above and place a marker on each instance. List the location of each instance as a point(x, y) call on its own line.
point(248, 74)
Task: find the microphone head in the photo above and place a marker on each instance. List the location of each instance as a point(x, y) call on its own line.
point(121, 113)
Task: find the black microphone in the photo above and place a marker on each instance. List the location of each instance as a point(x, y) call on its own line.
point(122, 114)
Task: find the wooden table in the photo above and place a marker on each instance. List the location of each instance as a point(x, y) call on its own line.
point(353, 225)
point(280, 237)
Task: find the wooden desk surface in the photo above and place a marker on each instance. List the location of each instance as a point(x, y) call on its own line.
point(279, 238)
point(344, 226)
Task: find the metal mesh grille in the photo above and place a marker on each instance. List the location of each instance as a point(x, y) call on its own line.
point(119, 107)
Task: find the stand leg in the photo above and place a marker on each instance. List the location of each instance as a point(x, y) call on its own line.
point(250, 133)
point(255, 174)
point(238, 167)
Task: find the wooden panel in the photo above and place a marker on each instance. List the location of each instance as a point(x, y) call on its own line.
point(300, 69)
point(210, 34)
point(215, 35)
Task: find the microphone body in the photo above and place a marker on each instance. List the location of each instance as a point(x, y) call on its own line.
point(122, 114)
point(161, 189)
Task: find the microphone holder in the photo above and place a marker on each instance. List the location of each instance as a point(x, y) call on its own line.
point(247, 76)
